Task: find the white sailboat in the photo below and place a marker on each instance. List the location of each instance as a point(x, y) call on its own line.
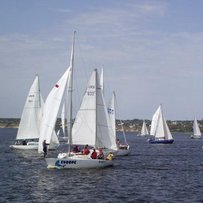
point(159, 129)
point(88, 126)
point(196, 130)
point(29, 127)
point(144, 130)
point(122, 149)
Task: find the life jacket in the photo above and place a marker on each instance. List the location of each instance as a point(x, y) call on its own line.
point(109, 157)
point(86, 151)
point(94, 155)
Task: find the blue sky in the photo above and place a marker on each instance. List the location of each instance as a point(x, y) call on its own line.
point(151, 51)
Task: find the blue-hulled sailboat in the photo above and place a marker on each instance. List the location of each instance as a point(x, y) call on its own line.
point(159, 129)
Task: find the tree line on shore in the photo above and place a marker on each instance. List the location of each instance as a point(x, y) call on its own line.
point(133, 125)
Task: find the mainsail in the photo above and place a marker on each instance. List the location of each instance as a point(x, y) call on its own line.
point(30, 119)
point(144, 130)
point(196, 130)
point(92, 125)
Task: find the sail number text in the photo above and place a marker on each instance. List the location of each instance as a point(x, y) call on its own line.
point(91, 92)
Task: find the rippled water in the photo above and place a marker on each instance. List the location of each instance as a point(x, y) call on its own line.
point(151, 173)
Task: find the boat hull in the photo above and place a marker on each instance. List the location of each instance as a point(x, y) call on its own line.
point(124, 150)
point(195, 137)
point(24, 147)
point(29, 146)
point(74, 163)
point(153, 141)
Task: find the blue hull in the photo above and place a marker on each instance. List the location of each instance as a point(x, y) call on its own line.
point(152, 141)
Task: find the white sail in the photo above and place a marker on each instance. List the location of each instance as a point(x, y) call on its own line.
point(91, 125)
point(84, 128)
point(144, 130)
point(105, 134)
point(102, 79)
point(162, 131)
point(196, 130)
point(30, 119)
point(112, 114)
point(120, 149)
point(154, 121)
point(51, 108)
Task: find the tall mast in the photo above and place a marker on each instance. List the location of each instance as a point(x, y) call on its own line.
point(96, 86)
point(70, 91)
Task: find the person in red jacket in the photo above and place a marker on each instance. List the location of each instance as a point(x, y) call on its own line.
point(94, 154)
point(86, 150)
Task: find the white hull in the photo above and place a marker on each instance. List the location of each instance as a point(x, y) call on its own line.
point(77, 162)
point(196, 136)
point(123, 151)
point(29, 146)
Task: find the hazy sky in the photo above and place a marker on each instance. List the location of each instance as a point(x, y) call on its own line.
point(151, 51)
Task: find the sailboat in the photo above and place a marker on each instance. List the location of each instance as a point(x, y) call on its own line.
point(196, 131)
point(90, 126)
point(144, 130)
point(122, 149)
point(29, 127)
point(159, 129)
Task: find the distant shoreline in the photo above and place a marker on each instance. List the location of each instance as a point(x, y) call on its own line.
point(9, 122)
point(133, 126)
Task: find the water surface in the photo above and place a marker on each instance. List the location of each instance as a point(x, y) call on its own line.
point(151, 173)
